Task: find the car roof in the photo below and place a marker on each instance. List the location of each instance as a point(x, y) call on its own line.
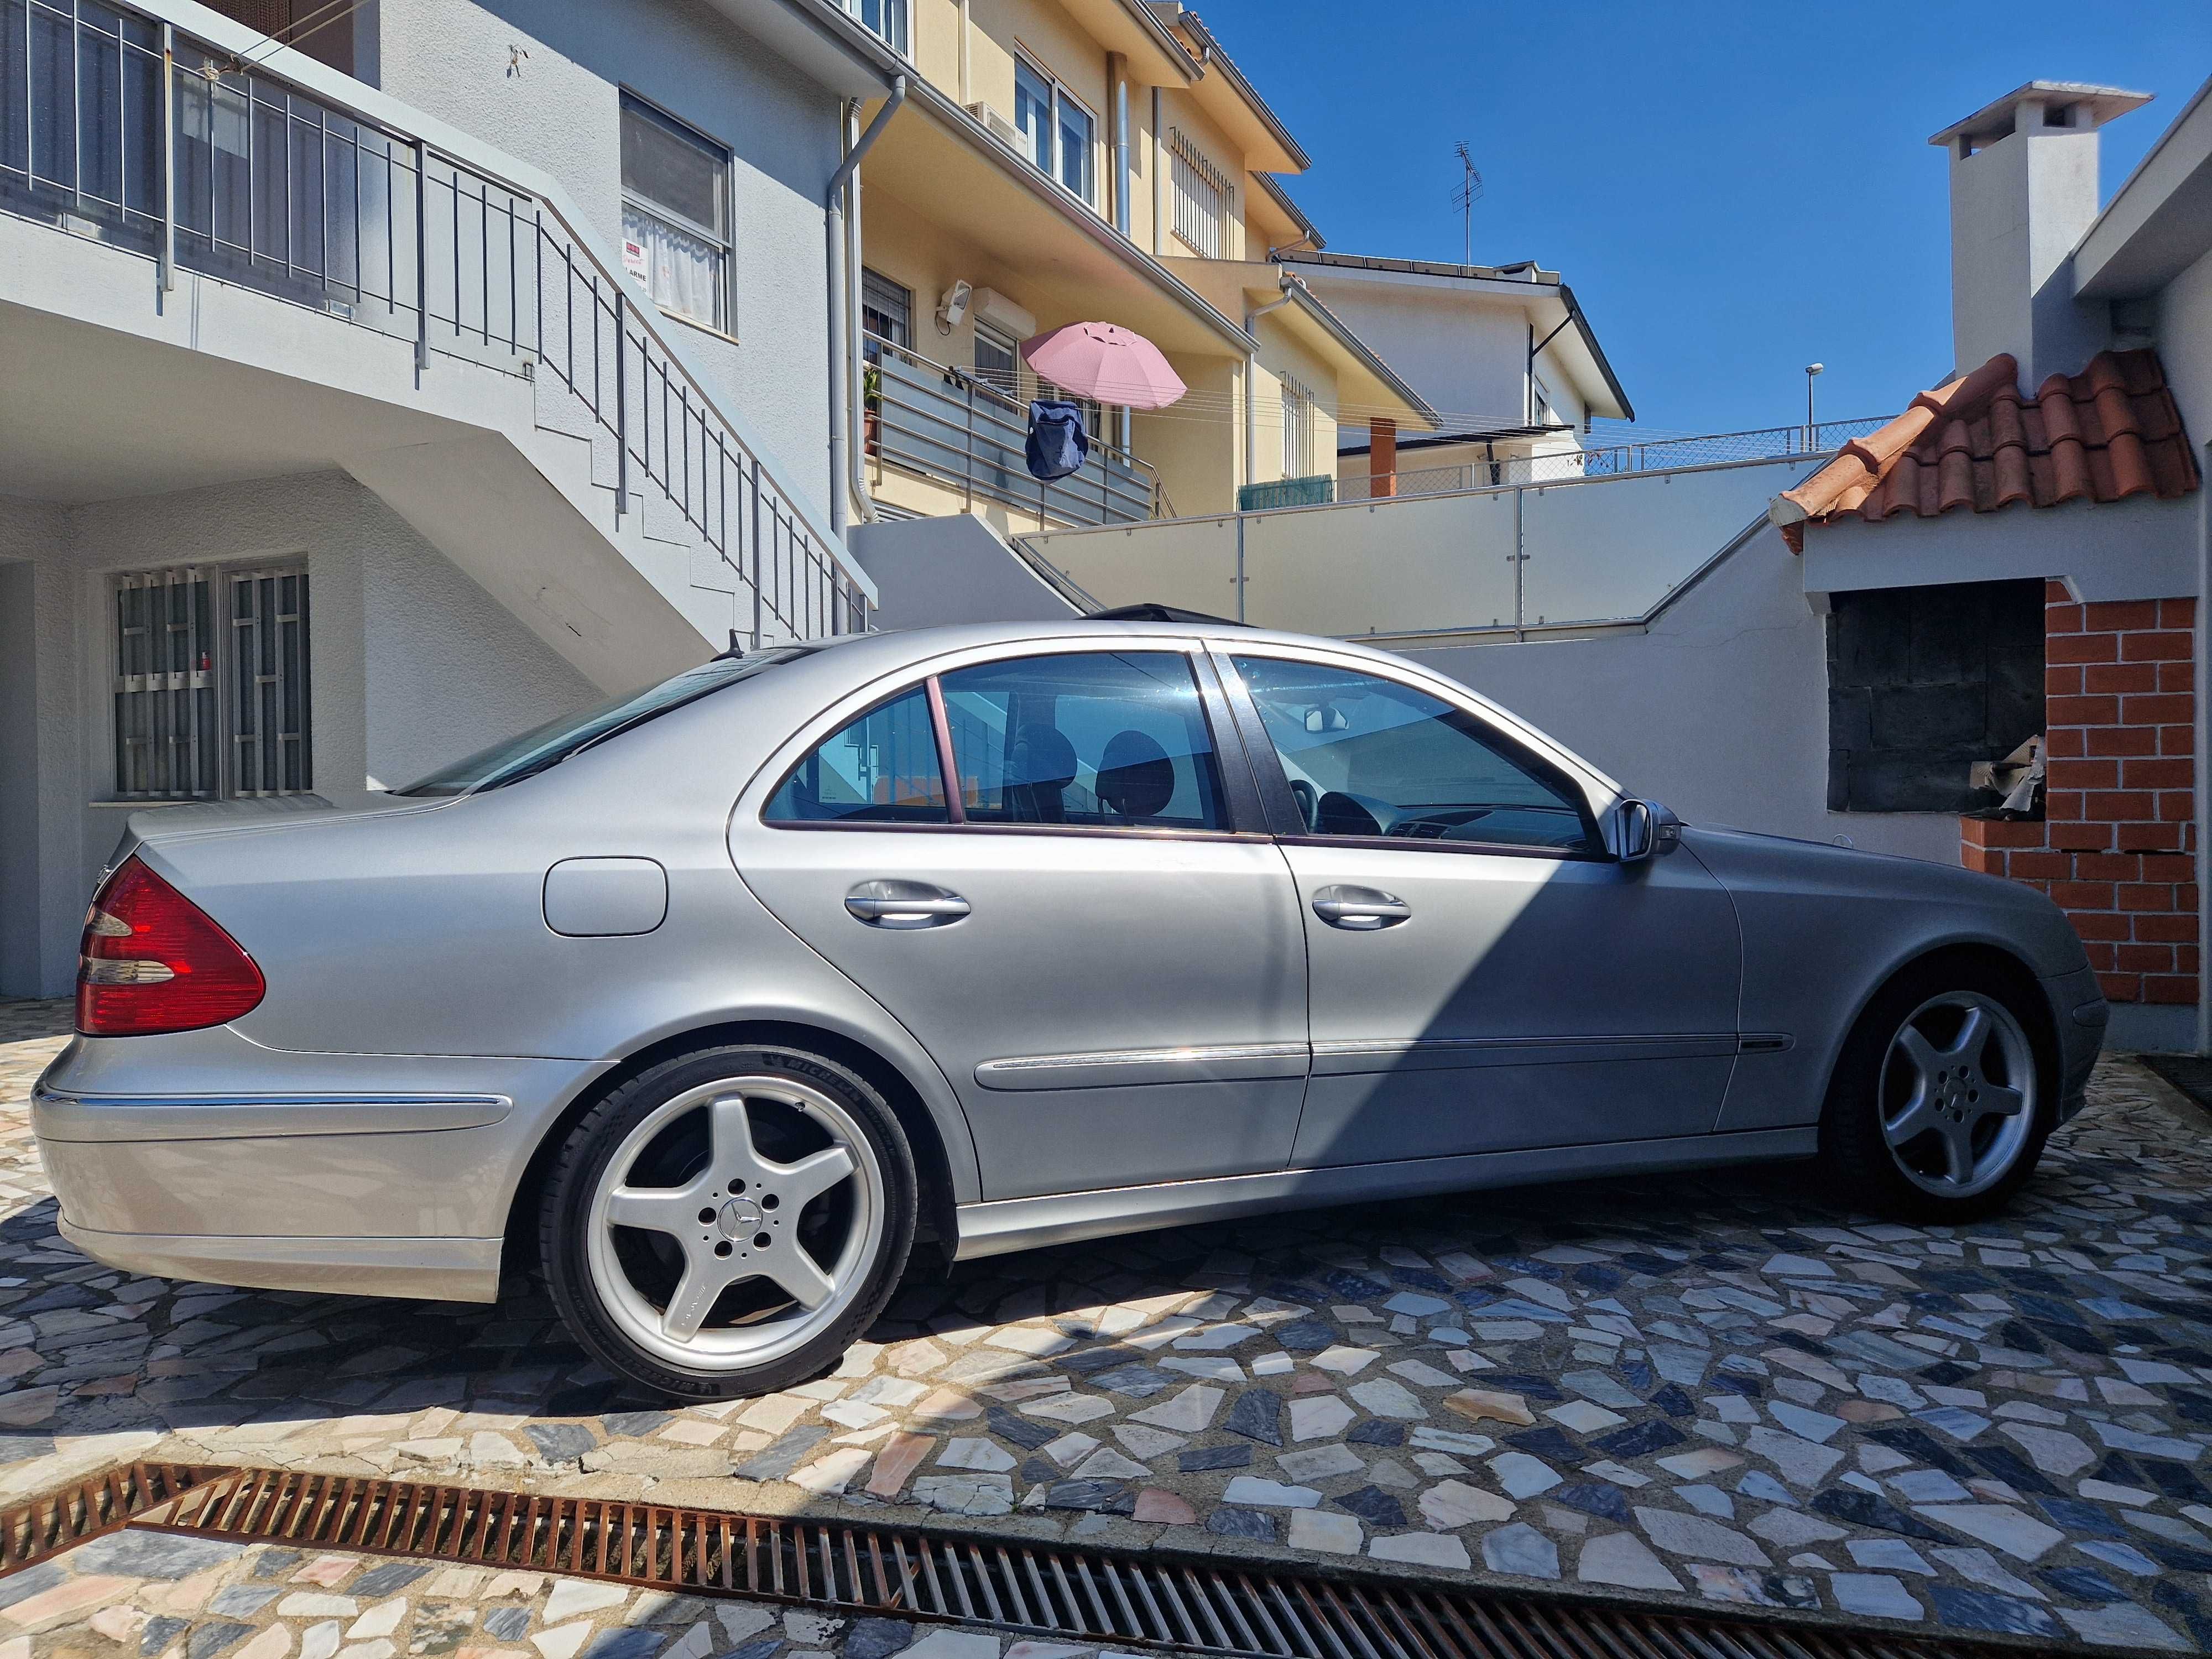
point(889, 644)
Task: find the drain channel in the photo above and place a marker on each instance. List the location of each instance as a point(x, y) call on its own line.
point(1151, 1599)
point(98, 1504)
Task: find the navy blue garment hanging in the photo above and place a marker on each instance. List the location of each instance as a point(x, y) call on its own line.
point(1057, 444)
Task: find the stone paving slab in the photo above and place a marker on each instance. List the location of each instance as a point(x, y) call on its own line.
point(160, 1596)
point(1709, 1388)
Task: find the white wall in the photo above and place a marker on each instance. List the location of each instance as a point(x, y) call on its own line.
point(559, 110)
point(412, 664)
point(1599, 550)
point(2185, 346)
point(1720, 709)
point(1466, 354)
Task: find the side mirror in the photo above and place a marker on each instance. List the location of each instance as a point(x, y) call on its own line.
point(1644, 829)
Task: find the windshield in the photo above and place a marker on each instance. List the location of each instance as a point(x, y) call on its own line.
point(518, 757)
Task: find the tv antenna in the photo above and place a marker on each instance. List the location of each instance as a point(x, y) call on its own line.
point(1465, 194)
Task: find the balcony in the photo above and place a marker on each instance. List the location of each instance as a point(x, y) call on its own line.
point(1774, 443)
point(953, 429)
point(1596, 551)
point(492, 313)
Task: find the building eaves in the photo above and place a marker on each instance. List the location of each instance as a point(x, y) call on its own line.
point(928, 99)
point(2104, 434)
point(820, 39)
point(1525, 271)
point(2159, 222)
point(1212, 55)
point(1163, 37)
point(1499, 281)
point(1312, 235)
point(1597, 353)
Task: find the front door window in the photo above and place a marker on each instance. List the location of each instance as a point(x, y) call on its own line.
point(1370, 757)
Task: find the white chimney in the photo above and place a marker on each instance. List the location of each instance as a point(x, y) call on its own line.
point(2023, 194)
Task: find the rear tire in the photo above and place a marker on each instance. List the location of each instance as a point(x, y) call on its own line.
point(1942, 1099)
point(728, 1222)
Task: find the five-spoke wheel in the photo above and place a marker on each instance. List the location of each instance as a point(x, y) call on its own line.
point(1937, 1110)
point(733, 1219)
point(1958, 1093)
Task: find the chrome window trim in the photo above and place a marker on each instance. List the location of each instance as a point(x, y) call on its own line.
point(811, 733)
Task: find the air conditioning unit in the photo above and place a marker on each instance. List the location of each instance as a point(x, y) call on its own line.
point(997, 125)
point(989, 306)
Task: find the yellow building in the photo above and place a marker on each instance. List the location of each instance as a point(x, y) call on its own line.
point(1067, 160)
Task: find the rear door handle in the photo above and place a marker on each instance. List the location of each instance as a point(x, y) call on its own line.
point(903, 904)
point(1360, 909)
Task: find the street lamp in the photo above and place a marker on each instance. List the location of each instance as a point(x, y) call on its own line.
point(1811, 369)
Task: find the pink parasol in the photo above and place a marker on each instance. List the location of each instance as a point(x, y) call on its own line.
point(1106, 362)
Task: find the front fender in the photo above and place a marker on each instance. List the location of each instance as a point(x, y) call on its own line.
point(1826, 927)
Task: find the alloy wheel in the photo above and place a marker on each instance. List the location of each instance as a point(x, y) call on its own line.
point(735, 1222)
point(1958, 1093)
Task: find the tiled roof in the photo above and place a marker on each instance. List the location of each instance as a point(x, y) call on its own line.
point(2108, 433)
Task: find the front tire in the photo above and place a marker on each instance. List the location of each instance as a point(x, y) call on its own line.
point(1940, 1104)
point(729, 1222)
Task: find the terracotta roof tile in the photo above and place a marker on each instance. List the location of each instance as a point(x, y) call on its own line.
point(2110, 432)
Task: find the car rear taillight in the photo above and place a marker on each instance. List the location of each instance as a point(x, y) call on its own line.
point(152, 961)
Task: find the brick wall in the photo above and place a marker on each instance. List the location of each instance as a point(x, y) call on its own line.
point(2117, 850)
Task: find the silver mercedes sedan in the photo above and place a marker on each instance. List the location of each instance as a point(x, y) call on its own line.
point(733, 1001)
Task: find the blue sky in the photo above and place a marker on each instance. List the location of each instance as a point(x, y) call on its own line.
point(1733, 191)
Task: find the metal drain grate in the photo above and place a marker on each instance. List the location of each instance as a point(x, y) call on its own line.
point(98, 1503)
point(1152, 1599)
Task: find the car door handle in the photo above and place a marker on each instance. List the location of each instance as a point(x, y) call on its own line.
point(902, 904)
point(1360, 909)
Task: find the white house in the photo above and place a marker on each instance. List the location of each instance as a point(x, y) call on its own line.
point(1503, 354)
point(336, 442)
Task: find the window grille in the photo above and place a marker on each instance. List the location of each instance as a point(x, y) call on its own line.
point(1297, 428)
point(167, 746)
point(211, 692)
point(1203, 198)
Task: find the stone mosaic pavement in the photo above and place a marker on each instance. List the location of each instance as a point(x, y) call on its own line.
point(1706, 1389)
point(165, 1597)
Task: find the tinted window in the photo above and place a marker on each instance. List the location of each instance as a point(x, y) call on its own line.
point(1113, 739)
point(882, 768)
point(1366, 756)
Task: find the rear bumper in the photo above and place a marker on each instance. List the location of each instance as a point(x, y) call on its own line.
point(207, 1156)
point(429, 1269)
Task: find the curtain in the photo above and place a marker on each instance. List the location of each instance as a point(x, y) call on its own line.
point(682, 271)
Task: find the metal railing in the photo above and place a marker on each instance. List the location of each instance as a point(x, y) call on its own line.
point(951, 425)
point(117, 126)
point(1613, 460)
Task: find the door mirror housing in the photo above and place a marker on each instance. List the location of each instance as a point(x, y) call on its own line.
point(1641, 829)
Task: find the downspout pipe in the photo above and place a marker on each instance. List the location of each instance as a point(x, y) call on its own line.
point(1252, 376)
point(844, 353)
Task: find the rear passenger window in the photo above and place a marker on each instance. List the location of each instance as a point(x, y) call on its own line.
point(1112, 740)
point(882, 768)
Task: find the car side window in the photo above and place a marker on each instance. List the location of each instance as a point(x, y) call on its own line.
point(1105, 739)
point(1368, 756)
point(880, 768)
